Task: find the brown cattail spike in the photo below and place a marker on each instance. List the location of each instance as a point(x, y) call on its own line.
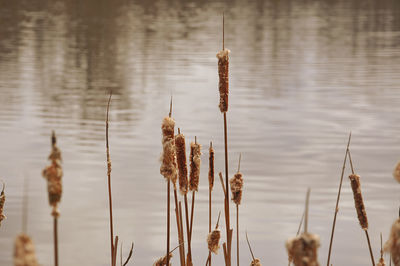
point(237, 187)
point(195, 152)
point(396, 172)
point(393, 244)
point(223, 71)
point(24, 251)
point(168, 164)
point(182, 165)
point(358, 201)
point(53, 174)
point(304, 249)
point(256, 262)
point(162, 261)
point(214, 237)
point(211, 167)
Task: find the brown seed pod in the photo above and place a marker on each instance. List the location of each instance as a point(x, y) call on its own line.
point(223, 73)
point(24, 251)
point(168, 159)
point(393, 244)
point(2, 201)
point(162, 261)
point(213, 240)
point(256, 262)
point(381, 262)
point(358, 201)
point(195, 152)
point(211, 167)
point(303, 249)
point(182, 165)
point(396, 172)
point(236, 187)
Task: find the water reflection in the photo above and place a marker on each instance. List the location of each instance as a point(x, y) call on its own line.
point(303, 74)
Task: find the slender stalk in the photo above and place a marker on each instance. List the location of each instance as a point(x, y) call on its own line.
point(228, 226)
point(55, 232)
point(109, 182)
point(237, 233)
point(306, 211)
point(248, 243)
point(181, 229)
point(168, 216)
point(298, 231)
point(180, 236)
point(192, 215)
point(209, 221)
point(337, 202)
point(189, 256)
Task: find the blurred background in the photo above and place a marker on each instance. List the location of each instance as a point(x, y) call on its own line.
point(303, 75)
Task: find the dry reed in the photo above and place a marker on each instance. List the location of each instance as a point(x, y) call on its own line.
point(210, 188)
point(396, 172)
point(2, 202)
point(255, 261)
point(24, 251)
point(393, 244)
point(381, 261)
point(213, 240)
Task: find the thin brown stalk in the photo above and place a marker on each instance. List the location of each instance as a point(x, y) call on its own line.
point(222, 183)
point(297, 233)
point(210, 187)
point(337, 201)
point(192, 215)
point(168, 217)
point(248, 243)
point(181, 230)
point(189, 255)
point(55, 233)
point(115, 251)
point(180, 236)
point(109, 182)
point(237, 234)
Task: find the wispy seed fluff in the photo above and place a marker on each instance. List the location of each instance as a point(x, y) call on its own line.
point(211, 168)
point(195, 152)
point(303, 249)
point(393, 244)
point(163, 261)
point(53, 174)
point(256, 262)
point(236, 187)
point(168, 158)
point(396, 172)
point(223, 73)
point(358, 201)
point(182, 165)
point(24, 251)
point(2, 201)
point(213, 240)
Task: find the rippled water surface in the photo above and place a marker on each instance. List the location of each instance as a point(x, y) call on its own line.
point(303, 75)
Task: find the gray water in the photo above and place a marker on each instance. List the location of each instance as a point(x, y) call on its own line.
point(303, 75)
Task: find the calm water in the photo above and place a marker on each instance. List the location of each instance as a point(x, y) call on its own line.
point(303, 74)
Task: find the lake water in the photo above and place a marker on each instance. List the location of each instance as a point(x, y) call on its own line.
point(303, 75)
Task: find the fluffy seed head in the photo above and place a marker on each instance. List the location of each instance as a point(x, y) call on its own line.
point(396, 172)
point(24, 251)
point(393, 244)
point(358, 201)
point(168, 159)
point(223, 70)
point(213, 240)
point(236, 187)
point(303, 249)
point(256, 262)
point(211, 168)
point(163, 260)
point(182, 165)
point(195, 152)
point(2, 201)
point(381, 262)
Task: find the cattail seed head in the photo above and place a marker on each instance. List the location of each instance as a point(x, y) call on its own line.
point(236, 187)
point(358, 201)
point(213, 240)
point(163, 260)
point(396, 172)
point(256, 262)
point(381, 262)
point(393, 244)
point(182, 165)
point(168, 159)
point(195, 152)
point(211, 168)
point(2, 201)
point(24, 251)
point(223, 71)
point(303, 249)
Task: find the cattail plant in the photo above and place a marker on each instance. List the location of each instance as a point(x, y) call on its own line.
point(210, 188)
point(213, 241)
point(164, 261)
point(381, 261)
point(304, 248)
point(396, 172)
point(2, 201)
point(53, 174)
point(237, 187)
point(223, 73)
point(24, 251)
point(290, 259)
point(393, 244)
point(359, 205)
point(255, 261)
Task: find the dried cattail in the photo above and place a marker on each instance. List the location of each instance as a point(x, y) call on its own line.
point(2, 201)
point(303, 249)
point(381, 262)
point(393, 244)
point(396, 172)
point(213, 240)
point(24, 251)
point(195, 152)
point(211, 167)
point(162, 261)
point(256, 262)
point(223, 70)
point(236, 187)
point(168, 165)
point(181, 160)
point(358, 201)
